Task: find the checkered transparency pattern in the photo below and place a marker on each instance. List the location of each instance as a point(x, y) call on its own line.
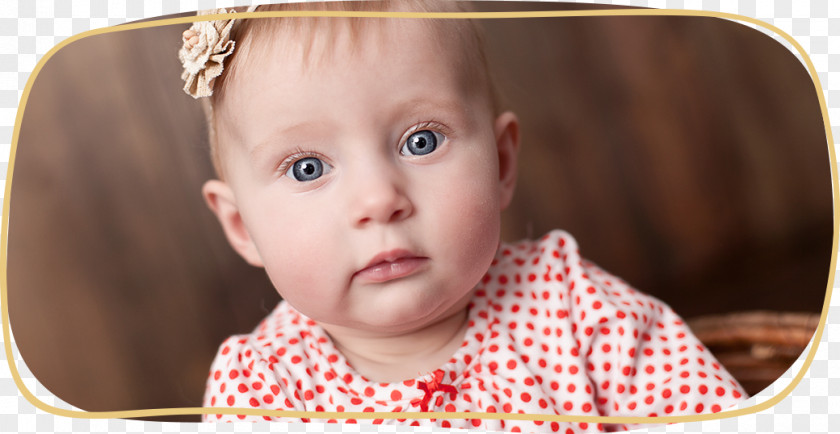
point(30, 28)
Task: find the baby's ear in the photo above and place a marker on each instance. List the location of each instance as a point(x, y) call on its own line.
point(221, 201)
point(507, 143)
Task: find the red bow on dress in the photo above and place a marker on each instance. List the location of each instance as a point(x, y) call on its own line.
point(432, 386)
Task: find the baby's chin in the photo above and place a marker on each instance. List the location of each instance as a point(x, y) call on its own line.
point(402, 316)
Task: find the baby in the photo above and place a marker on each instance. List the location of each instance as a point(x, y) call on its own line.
point(364, 163)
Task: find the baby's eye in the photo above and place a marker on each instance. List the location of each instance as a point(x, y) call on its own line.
point(307, 169)
point(421, 143)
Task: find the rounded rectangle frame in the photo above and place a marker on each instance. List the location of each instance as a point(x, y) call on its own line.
point(418, 415)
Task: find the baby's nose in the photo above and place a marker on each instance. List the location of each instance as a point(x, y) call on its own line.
point(380, 198)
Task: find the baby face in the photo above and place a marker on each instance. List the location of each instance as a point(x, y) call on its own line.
point(368, 182)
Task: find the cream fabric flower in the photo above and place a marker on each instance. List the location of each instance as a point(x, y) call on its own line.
point(206, 44)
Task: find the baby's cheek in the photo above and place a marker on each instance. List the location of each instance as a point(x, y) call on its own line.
point(297, 263)
point(476, 234)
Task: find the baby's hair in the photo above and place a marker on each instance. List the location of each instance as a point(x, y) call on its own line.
point(466, 34)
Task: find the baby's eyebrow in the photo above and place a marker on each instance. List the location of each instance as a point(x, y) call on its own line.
point(448, 107)
point(277, 137)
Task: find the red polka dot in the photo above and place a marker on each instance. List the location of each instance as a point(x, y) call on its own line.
point(230, 400)
point(254, 402)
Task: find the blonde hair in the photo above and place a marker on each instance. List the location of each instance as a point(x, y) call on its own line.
point(467, 33)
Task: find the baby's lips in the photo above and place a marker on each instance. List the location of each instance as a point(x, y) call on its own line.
point(390, 265)
point(389, 256)
point(385, 271)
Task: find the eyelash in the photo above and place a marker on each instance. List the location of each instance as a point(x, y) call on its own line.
point(427, 125)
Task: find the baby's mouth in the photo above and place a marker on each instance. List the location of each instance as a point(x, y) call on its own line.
point(391, 265)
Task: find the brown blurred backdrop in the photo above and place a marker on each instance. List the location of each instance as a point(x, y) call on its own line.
point(686, 155)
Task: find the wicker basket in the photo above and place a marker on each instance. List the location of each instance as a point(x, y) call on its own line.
point(756, 347)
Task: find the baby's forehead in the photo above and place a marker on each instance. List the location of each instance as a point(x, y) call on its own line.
point(301, 57)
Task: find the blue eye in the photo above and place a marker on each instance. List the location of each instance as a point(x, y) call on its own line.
point(307, 169)
point(421, 143)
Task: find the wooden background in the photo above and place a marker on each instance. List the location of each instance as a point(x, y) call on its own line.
point(686, 155)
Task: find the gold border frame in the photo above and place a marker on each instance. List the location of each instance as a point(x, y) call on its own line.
point(412, 415)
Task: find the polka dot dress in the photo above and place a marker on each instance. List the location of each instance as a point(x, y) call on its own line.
point(549, 333)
